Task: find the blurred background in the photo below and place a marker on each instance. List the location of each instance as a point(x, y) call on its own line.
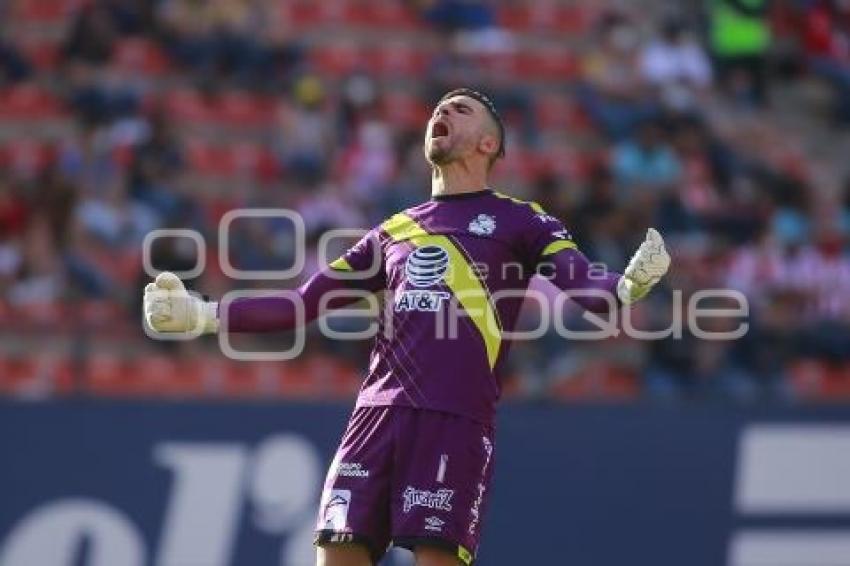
point(724, 123)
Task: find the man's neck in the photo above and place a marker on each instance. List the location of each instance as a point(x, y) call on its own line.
point(456, 178)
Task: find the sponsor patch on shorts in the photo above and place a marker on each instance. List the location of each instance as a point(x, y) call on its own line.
point(335, 509)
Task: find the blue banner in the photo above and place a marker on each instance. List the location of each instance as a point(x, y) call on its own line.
point(86, 483)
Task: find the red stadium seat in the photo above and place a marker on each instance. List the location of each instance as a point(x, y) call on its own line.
point(35, 376)
point(404, 109)
point(545, 15)
point(242, 109)
point(389, 14)
point(398, 60)
point(296, 380)
point(188, 106)
point(162, 375)
point(28, 102)
point(550, 64)
point(138, 55)
point(300, 14)
point(344, 380)
point(337, 59)
point(209, 160)
point(45, 11)
point(598, 381)
point(26, 157)
point(40, 315)
point(110, 375)
point(242, 379)
point(44, 54)
point(243, 160)
point(814, 380)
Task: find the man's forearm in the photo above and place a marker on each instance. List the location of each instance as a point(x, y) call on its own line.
point(281, 312)
point(570, 270)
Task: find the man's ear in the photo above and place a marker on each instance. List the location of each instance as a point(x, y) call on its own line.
point(488, 144)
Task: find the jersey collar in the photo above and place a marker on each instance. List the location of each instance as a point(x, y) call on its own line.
point(461, 196)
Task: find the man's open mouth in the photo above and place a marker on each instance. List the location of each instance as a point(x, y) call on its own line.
point(439, 130)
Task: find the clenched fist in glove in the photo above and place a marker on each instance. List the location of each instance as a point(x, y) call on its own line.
point(168, 307)
point(647, 267)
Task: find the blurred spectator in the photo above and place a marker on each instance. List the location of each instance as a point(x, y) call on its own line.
point(305, 135)
point(826, 39)
point(645, 163)
point(157, 160)
point(223, 38)
point(675, 63)
point(740, 38)
point(13, 66)
point(614, 93)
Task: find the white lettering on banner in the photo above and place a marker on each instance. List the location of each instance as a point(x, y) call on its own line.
point(283, 483)
point(211, 485)
point(792, 470)
point(52, 534)
point(204, 504)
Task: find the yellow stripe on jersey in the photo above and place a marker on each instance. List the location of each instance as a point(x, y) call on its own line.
point(460, 278)
point(534, 206)
point(340, 264)
point(553, 247)
point(557, 246)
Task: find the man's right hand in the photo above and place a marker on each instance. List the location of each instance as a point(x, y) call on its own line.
point(168, 307)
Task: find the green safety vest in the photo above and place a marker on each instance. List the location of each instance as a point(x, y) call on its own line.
point(734, 33)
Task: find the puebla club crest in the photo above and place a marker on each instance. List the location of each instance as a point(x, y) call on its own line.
point(482, 225)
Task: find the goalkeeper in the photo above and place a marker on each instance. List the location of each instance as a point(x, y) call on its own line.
point(414, 465)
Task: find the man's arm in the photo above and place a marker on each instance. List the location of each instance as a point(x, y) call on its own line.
point(169, 307)
point(275, 313)
point(569, 269)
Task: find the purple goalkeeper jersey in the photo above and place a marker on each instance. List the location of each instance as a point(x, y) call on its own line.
point(456, 268)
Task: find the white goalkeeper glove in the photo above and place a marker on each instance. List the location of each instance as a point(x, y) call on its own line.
point(646, 268)
point(168, 307)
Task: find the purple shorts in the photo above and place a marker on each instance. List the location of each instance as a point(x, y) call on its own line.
point(408, 477)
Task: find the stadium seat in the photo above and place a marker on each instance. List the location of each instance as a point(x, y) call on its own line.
point(45, 11)
point(337, 59)
point(815, 380)
point(45, 55)
point(397, 60)
point(388, 14)
point(243, 109)
point(26, 157)
point(164, 375)
point(405, 109)
point(35, 376)
point(188, 106)
point(241, 160)
point(549, 64)
point(137, 55)
point(296, 380)
point(597, 381)
point(28, 102)
point(109, 374)
point(544, 15)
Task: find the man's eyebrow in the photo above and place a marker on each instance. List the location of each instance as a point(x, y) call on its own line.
point(460, 104)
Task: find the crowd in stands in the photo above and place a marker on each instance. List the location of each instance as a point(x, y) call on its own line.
point(118, 117)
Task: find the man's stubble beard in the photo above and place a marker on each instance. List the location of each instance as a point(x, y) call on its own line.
point(436, 155)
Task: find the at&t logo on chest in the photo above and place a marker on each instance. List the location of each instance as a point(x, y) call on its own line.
point(482, 225)
point(424, 267)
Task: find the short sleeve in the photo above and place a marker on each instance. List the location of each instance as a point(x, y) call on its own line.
point(362, 264)
point(546, 235)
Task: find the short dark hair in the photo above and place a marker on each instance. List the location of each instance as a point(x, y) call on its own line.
point(491, 109)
